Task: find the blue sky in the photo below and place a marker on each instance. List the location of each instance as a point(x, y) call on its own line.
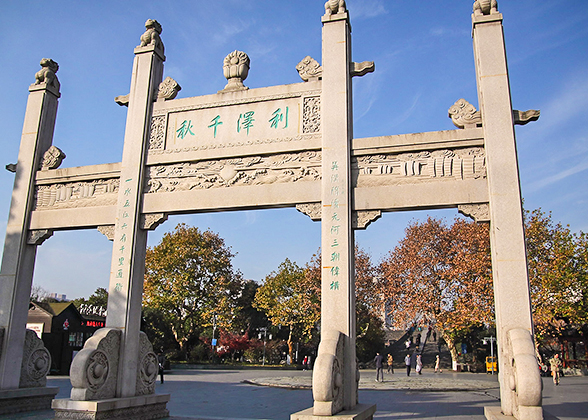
point(424, 63)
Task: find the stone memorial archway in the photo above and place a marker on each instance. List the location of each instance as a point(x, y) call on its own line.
point(280, 146)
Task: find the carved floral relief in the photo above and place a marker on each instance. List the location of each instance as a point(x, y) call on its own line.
point(255, 170)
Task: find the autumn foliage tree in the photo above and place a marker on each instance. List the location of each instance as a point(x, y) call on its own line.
point(188, 278)
point(368, 301)
point(440, 274)
point(558, 275)
point(288, 297)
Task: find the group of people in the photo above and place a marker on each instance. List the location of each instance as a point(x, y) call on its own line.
point(379, 360)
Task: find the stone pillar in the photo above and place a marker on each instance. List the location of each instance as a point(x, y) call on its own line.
point(130, 240)
point(24, 361)
point(520, 383)
point(338, 273)
point(18, 258)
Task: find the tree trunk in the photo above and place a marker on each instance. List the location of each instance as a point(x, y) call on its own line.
point(290, 345)
point(452, 350)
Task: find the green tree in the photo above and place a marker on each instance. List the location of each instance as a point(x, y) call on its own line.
point(368, 302)
point(189, 277)
point(558, 275)
point(288, 300)
point(98, 298)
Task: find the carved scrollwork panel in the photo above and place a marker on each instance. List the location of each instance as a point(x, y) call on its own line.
point(309, 69)
point(328, 375)
point(36, 362)
point(38, 236)
point(479, 212)
point(52, 158)
point(157, 134)
point(426, 166)
point(464, 115)
point(311, 117)
point(223, 173)
point(94, 369)
point(147, 367)
point(100, 192)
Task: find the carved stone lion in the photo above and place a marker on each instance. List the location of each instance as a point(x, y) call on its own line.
point(485, 7)
point(47, 73)
point(151, 35)
point(332, 7)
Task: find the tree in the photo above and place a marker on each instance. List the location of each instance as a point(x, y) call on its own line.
point(189, 277)
point(288, 300)
point(443, 275)
point(368, 293)
point(99, 298)
point(558, 275)
point(248, 318)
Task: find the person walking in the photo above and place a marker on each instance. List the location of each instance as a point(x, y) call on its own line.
point(437, 362)
point(390, 362)
point(161, 363)
point(407, 362)
point(555, 363)
point(419, 364)
point(379, 359)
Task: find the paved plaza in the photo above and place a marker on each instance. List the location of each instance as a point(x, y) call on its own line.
point(211, 394)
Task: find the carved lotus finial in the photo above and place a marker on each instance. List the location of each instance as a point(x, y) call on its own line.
point(151, 36)
point(52, 158)
point(309, 69)
point(464, 115)
point(47, 74)
point(236, 69)
point(332, 7)
point(485, 7)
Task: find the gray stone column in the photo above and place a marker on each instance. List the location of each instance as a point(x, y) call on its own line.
point(338, 273)
point(18, 258)
point(520, 383)
point(128, 253)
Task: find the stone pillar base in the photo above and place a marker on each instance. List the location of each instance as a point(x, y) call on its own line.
point(26, 399)
point(359, 412)
point(495, 413)
point(144, 407)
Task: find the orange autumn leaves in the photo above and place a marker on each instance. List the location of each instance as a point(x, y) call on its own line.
point(440, 273)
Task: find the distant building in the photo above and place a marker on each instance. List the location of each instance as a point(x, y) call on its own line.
point(57, 296)
point(63, 331)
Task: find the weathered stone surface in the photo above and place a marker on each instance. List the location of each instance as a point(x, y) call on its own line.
point(235, 69)
point(168, 89)
point(309, 69)
point(464, 115)
point(94, 370)
point(359, 412)
point(52, 158)
point(36, 362)
point(47, 75)
point(26, 399)
point(147, 366)
point(145, 407)
point(327, 374)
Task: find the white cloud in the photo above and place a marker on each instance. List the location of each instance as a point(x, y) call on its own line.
point(366, 9)
point(537, 185)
